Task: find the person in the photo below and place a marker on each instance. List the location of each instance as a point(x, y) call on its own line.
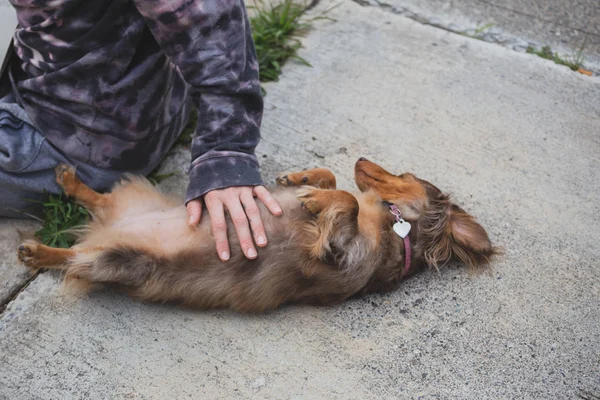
point(108, 86)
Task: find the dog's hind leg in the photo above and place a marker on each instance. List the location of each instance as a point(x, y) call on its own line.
point(123, 266)
point(68, 180)
point(36, 255)
point(321, 178)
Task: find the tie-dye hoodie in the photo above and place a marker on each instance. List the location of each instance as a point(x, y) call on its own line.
point(111, 82)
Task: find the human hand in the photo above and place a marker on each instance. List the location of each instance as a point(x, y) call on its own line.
point(240, 203)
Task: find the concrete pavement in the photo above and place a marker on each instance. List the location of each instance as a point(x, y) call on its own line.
point(566, 26)
point(516, 140)
point(8, 22)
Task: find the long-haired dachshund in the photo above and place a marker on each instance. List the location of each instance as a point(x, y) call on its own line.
point(328, 245)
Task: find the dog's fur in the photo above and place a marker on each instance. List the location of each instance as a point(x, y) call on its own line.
point(328, 245)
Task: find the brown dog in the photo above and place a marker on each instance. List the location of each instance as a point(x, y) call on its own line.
point(328, 245)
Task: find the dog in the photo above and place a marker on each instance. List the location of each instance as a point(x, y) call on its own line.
point(327, 246)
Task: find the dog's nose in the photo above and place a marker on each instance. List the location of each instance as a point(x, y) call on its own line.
point(362, 159)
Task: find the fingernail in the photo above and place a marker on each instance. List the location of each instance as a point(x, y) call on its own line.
point(278, 210)
point(251, 253)
point(224, 256)
point(191, 221)
point(261, 240)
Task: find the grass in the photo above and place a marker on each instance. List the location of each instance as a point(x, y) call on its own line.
point(60, 215)
point(574, 62)
point(276, 29)
point(478, 33)
point(155, 178)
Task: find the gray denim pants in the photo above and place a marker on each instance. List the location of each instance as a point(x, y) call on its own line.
point(27, 162)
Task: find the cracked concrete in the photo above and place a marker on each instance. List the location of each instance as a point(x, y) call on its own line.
point(513, 137)
point(13, 276)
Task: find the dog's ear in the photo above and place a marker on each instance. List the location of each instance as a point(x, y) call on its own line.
point(471, 243)
point(448, 232)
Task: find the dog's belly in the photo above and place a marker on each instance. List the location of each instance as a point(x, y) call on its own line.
point(166, 232)
point(163, 218)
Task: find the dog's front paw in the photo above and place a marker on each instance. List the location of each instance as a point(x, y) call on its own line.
point(318, 177)
point(313, 200)
point(291, 179)
point(27, 254)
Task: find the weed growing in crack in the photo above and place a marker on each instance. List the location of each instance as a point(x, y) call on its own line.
point(574, 62)
point(478, 33)
point(276, 29)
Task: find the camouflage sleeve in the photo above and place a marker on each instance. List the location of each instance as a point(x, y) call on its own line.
point(211, 44)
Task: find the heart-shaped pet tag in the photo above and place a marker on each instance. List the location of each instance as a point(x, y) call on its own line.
point(402, 228)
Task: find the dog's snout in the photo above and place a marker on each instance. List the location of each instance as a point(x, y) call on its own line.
point(362, 159)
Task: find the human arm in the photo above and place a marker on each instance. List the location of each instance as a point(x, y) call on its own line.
point(210, 44)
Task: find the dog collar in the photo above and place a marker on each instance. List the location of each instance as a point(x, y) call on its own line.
point(402, 229)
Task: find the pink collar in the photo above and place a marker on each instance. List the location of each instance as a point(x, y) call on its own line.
point(407, 250)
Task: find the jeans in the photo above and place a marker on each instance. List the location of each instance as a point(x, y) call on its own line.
point(27, 162)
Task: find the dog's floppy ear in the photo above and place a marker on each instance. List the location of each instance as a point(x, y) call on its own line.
point(449, 232)
point(471, 243)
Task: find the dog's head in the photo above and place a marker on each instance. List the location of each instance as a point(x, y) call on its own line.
point(444, 230)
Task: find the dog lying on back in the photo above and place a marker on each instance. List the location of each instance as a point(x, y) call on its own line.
point(328, 245)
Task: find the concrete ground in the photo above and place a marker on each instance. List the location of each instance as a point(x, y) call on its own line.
point(515, 138)
point(8, 22)
point(565, 25)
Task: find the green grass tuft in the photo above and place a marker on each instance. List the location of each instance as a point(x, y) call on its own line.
point(61, 214)
point(477, 33)
point(546, 52)
point(275, 29)
point(155, 178)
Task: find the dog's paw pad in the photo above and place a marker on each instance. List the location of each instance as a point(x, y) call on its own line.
point(65, 176)
point(310, 199)
point(283, 180)
point(286, 180)
point(295, 179)
point(63, 170)
point(26, 254)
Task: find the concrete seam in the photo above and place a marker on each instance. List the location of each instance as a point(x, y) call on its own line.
point(4, 305)
point(538, 18)
point(512, 42)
